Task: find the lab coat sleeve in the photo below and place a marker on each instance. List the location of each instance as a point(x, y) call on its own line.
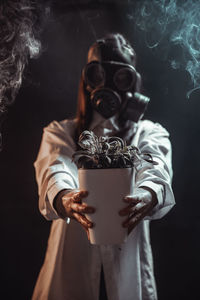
point(54, 168)
point(154, 139)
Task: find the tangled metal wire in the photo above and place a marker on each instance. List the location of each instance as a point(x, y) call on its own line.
point(108, 152)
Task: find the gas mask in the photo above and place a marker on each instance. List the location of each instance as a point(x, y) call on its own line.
point(112, 89)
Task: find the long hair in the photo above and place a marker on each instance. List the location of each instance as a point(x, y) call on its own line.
point(84, 106)
point(84, 110)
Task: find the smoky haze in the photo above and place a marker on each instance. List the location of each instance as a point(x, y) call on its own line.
point(19, 28)
point(170, 24)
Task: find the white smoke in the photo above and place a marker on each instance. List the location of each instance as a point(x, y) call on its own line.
point(176, 22)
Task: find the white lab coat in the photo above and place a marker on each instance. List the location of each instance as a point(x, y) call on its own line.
point(71, 269)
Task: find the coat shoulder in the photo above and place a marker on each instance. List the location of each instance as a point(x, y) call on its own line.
point(147, 126)
point(62, 126)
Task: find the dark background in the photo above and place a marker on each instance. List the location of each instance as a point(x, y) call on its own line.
point(49, 92)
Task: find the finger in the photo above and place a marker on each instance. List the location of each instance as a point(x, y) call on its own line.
point(136, 216)
point(83, 220)
point(82, 208)
point(133, 225)
point(88, 234)
point(131, 209)
point(136, 219)
point(77, 197)
point(125, 211)
point(138, 208)
point(132, 199)
point(132, 220)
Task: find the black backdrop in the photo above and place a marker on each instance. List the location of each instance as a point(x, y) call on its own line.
point(49, 92)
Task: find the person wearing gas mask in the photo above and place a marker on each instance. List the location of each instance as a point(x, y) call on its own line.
point(110, 103)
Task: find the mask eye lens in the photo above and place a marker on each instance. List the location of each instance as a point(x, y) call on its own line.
point(94, 75)
point(124, 79)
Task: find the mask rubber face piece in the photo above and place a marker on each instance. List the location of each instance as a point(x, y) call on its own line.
point(106, 102)
point(107, 82)
point(115, 75)
point(111, 80)
point(125, 78)
point(94, 75)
